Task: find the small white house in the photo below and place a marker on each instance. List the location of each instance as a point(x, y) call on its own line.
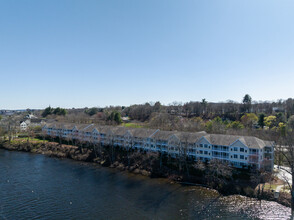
point(23, 126)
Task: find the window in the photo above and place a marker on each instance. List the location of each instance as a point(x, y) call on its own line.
point(205, 152)
point(235, 149)
point(241, 149)
point(242, 157)
point(201, 145)
point(205, 145)
point(235, 156)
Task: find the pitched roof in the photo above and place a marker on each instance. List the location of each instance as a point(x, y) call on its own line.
point(142, 132)
point(162, 135)
point(227, 140)
point(89, 128)
point(104, 129)
point(81, 127)
point(120, 131)
point(190, 137)
point(69, 126)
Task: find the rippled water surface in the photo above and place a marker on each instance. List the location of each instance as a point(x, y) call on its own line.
point(39, 187)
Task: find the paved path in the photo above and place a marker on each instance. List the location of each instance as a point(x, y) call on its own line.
point(278, 189)
point(282, 174)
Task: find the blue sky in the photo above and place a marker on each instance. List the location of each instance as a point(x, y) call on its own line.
point(121, 52)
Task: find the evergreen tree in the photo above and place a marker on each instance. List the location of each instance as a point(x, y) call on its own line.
point(261, 120)
point(247, 103)
point(47, 111)
point(117, 118)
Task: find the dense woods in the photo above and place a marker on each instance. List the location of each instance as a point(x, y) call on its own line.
point(247, 117)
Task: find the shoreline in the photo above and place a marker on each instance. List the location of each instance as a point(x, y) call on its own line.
point(54, 149)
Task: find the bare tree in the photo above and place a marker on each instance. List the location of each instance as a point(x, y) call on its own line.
point(218, 172)
point(128, 145)
point(109, 141)
point(31, 133)
point(285, 147)
point(183, 151)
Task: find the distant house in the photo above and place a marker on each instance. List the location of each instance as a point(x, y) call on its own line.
point(7, 112)
point(37, 122)
point(24, 125)
point(30, 116)
point(31, 121)
point(126, 119)
point(278, 109)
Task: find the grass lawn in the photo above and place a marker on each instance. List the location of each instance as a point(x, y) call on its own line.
point(270, 187)
point(132, 125)
point(274, 187)
point(21, 140)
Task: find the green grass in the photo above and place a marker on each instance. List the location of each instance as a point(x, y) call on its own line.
point(21, 140)
point(270, 187)
point(132, 125)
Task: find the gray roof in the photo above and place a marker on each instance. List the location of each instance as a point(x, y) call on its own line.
point(120, 131)
point(162, 135)
point(36, 120)
point(69, 126)
point(189, 136)
point(142, 132)
point(89, 128)
point(227, 140)
point(104, 129)
point(215, 139)
point(81, 127)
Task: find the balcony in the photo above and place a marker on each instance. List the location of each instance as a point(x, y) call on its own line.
point(268, 156)
point(220, 157)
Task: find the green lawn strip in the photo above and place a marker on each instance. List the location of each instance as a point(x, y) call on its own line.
point(132, 125)
point(25, 139)
point(270, 187)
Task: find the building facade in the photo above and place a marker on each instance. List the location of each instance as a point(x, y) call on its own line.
point(239, 151)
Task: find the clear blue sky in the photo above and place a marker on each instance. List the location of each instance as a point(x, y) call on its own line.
point(73, 53)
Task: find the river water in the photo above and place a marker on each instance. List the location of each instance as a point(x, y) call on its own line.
point(39, 187)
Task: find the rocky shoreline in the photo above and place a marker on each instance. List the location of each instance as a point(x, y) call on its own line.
point(51, 149)
point(54, 149)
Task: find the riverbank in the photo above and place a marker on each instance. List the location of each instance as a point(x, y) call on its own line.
point(137, 163)
point(51, 149)
point(54, 149)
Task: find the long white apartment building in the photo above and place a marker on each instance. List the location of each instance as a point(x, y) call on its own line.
point(239, 151)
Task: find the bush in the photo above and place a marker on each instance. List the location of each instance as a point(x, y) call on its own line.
point(22, 135)
point(248, 191)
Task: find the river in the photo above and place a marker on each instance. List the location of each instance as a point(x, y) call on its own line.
point(35, 186)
